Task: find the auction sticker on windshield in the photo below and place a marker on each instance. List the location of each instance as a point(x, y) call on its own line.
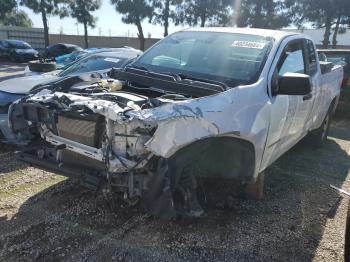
point(248, 44)
point(111, 59)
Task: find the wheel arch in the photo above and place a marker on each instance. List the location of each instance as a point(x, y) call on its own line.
point(222, 157)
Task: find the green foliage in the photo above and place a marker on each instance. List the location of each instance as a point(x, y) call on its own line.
point(14, 18)
point(263, 14)
point(6, 6)
point(194, 12)
point(52, 7)
point(81, 10)
point(321, 14)
point(134, 12)
point(10, 17)
point(163, 13)
point(45, 7)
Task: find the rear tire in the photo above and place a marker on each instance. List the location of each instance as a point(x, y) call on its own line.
point(42, 67)
point(347, 236)
point(319, 136)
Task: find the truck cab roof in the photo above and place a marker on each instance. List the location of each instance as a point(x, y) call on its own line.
point(276, 34)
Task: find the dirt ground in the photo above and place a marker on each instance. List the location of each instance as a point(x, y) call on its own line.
point(9, 70)
point(46, 217)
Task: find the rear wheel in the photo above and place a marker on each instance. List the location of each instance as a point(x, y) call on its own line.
point(347, 236)
point(319, 136)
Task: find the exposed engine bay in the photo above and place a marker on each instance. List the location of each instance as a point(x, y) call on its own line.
point(122, 137)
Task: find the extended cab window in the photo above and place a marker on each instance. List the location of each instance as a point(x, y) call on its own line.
point(311, 58)
point(292, 59)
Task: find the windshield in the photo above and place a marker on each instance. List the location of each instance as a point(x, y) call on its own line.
point(93, 63)
point(19, 45)
point(231, 58)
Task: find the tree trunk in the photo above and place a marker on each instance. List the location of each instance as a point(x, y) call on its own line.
point(335, 34)
point(257, 16)
point(203, 18)
point(327, 33)
point(86, 35)
point(166, 17)
point(140, 36)
point(46, 28)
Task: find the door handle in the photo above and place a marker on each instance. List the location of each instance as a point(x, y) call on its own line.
point(307, 97)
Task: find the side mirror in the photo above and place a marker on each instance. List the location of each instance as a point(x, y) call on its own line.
point(294, 84)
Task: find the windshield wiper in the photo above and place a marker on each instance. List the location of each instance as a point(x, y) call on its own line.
point(181, 77)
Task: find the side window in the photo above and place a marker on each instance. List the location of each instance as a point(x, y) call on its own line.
point(311, 58)
point(292, 59)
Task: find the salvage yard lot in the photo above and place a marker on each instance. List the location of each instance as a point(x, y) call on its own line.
point(9, 70)
point(46, 217)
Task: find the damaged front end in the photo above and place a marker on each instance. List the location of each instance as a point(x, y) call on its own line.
point(102, 139)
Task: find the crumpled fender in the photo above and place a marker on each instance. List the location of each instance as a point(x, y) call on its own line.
point(225, 114)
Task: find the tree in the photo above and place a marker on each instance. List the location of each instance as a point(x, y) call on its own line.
point(263, 14)
point(322, 14)
point(194, 12)
point(6, 6)
point(46, 7)
point(134, 12)
point(80, 9)
point(16, 18)
point(162, 13)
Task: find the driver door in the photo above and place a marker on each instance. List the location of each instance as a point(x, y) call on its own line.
point(288, 112)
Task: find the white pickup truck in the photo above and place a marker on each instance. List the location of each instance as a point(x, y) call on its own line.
point(216, 103)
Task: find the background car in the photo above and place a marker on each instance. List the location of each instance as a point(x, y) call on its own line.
point(60, 49)
point(340, 57)
point(17, 51)
point(68, 59)
point(16, 88)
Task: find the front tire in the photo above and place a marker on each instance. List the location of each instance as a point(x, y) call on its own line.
point(255, 190)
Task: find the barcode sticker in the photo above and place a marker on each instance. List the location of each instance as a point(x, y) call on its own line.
point(248, 44)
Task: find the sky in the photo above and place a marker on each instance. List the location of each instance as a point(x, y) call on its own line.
point(108, 23)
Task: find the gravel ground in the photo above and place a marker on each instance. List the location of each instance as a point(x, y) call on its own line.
point(9, 70)
point(46, 217)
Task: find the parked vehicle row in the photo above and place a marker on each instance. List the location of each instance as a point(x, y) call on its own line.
point(211, 103)
point(20, 51)
point(17, 51)
point(97, 62)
